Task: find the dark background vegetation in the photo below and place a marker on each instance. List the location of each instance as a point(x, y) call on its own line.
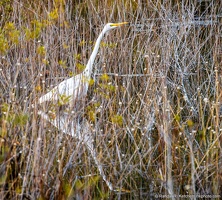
point(154, 106)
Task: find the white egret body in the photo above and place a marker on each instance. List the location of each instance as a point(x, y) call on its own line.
point(76, 87)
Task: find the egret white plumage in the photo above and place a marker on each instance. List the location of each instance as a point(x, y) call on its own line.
point(76, 87)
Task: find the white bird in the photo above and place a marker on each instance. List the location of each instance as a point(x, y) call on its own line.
point(76, 87)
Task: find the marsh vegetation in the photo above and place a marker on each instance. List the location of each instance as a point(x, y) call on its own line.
point(153, 105)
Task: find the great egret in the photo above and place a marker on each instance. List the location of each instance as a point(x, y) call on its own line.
point(76, 87)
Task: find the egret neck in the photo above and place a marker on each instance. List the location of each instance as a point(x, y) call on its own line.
point(88, 70)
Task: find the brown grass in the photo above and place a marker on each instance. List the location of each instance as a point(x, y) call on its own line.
point(155, 120)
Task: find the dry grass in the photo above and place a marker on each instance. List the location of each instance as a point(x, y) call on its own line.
point(155, 119)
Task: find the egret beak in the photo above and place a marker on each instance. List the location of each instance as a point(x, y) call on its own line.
point(119, 24)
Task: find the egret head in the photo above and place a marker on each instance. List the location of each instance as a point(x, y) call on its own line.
point(111, 26)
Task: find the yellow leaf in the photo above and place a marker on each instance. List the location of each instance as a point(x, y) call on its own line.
point(62, 63)
point(91, 81)
point(9, 26)
point(117, 119)
point(38, 88)
point(92, 115)
point(53, 14)
point(177, 118)
point(104, 77)
point(82, 43)
point(190, 122)
point(77, 56)
point(80, 66)
point(41, 50)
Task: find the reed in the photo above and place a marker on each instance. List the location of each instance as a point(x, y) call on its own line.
point(153, 106)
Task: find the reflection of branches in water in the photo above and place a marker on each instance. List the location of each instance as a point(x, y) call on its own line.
point(81, 131)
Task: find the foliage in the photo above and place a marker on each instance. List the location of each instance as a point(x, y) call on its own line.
point(153, 106)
